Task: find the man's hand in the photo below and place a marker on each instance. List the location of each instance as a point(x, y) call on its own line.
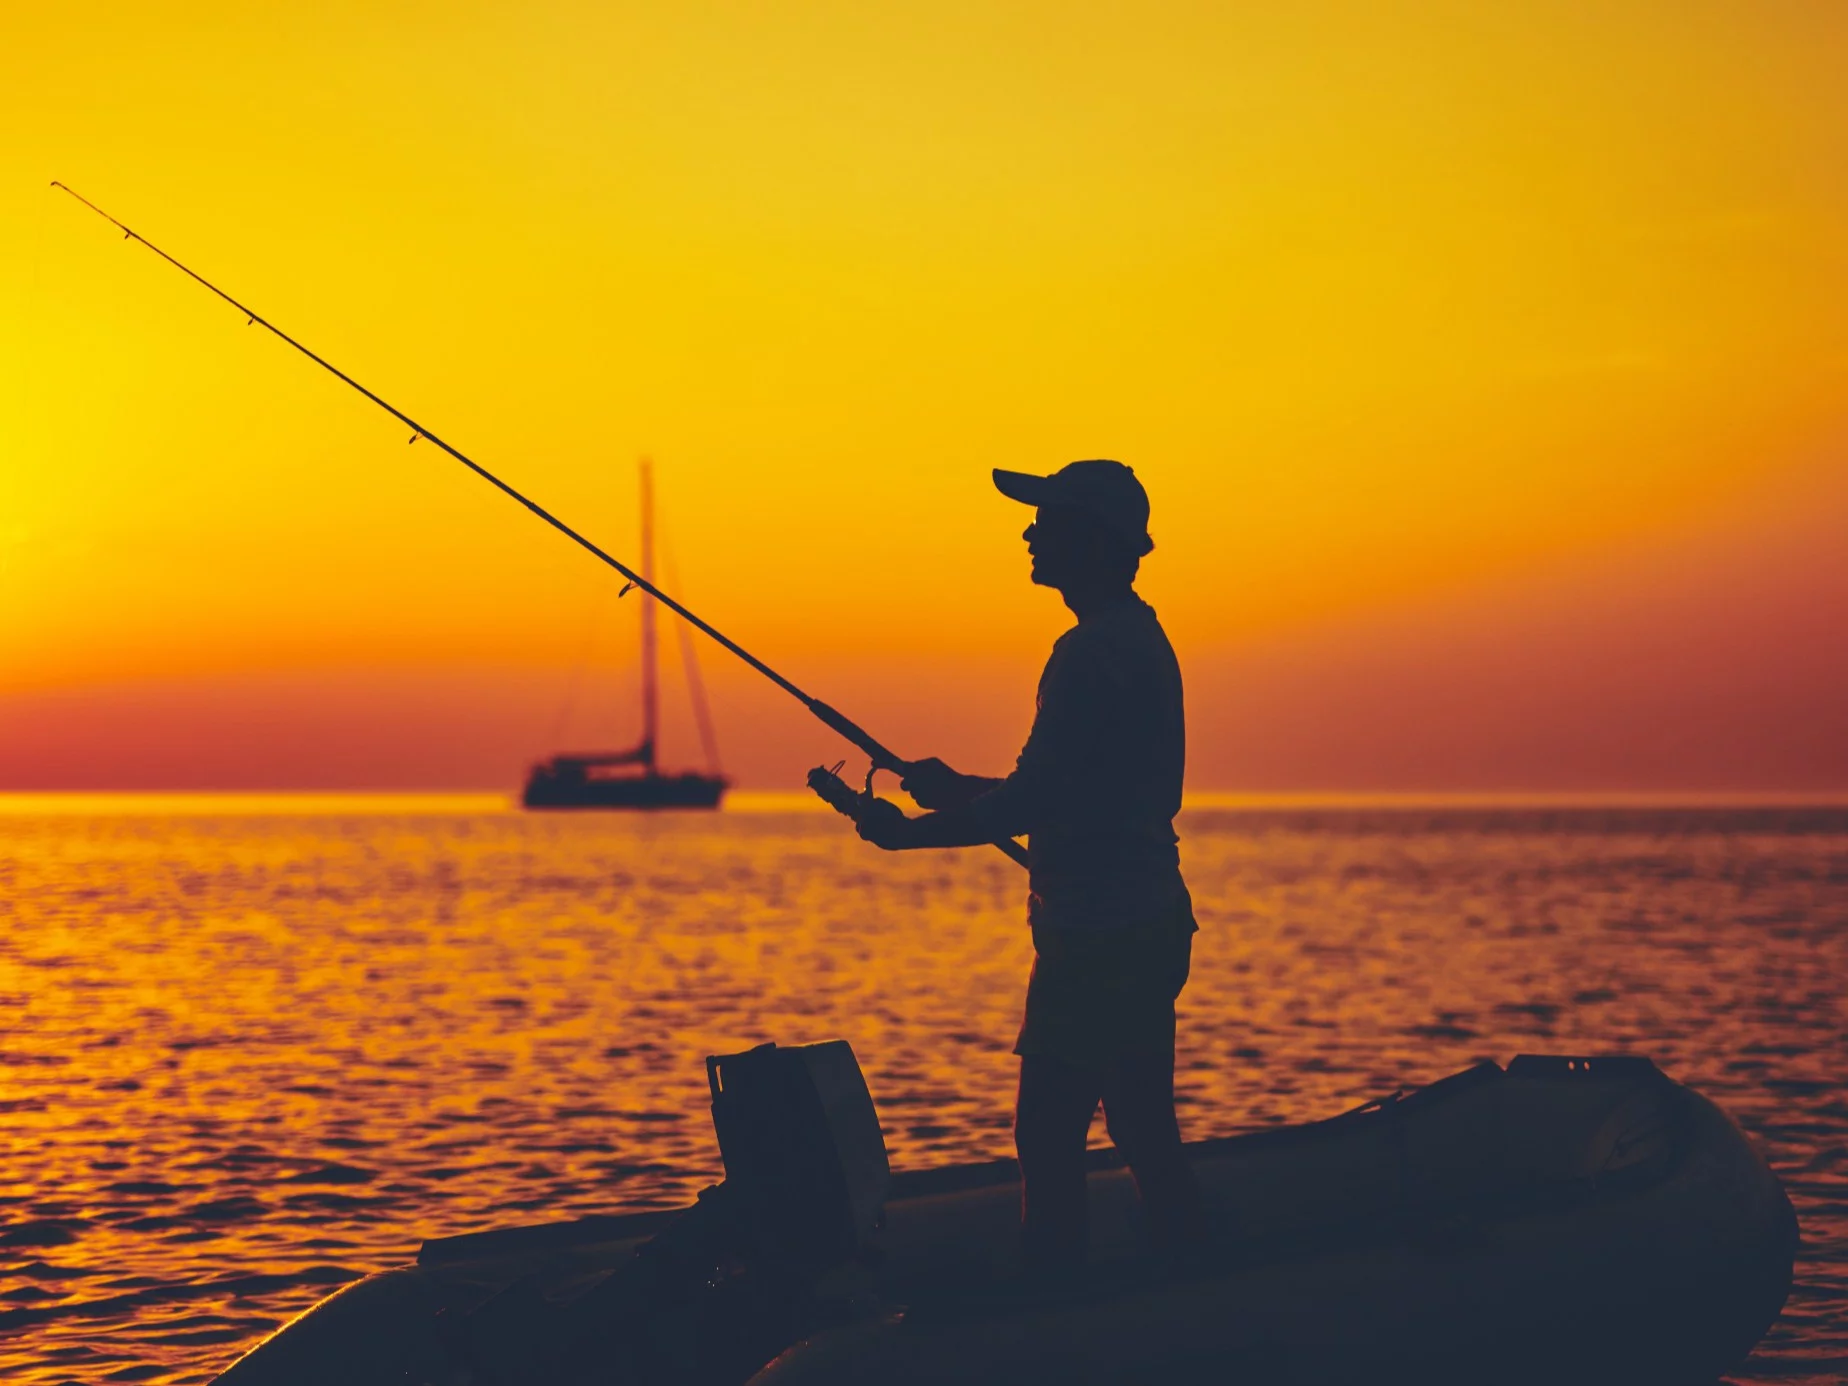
point(935, 786)
point(882, 823)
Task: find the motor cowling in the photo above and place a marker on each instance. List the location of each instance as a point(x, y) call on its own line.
point(804, 1156)
point(737, 1277)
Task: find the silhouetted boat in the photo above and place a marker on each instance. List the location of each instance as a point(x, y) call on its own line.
point(631, 779)
point(1581, 1220)
point(576, 781)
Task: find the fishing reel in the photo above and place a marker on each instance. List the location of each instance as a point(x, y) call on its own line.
point(840, 796)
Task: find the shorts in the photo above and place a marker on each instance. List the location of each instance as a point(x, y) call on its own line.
point(1097, 996)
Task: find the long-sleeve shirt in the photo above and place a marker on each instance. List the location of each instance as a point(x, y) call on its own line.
point(1098, 784)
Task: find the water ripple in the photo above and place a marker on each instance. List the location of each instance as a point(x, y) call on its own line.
point(247, 1059)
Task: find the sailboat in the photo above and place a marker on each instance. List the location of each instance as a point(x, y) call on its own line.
point(633, 779)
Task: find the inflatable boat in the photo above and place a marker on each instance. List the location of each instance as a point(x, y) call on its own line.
point(1562, 1219)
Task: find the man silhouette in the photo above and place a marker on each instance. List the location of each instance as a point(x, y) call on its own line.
point(1095, 790)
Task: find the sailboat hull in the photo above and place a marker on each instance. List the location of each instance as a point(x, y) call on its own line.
point(546, 789)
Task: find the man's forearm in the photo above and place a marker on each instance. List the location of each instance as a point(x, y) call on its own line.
point(947, 828)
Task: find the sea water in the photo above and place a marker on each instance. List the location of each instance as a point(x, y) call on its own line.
point(252, 1050)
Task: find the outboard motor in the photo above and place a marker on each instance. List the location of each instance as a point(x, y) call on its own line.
point(736, 1278)
point(802, 1149)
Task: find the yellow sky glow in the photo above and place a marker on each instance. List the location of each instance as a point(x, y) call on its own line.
point(1384, 303)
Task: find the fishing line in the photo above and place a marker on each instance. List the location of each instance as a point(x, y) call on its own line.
point(823, 782)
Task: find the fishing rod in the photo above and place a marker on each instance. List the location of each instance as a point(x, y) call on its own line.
point(825, 781)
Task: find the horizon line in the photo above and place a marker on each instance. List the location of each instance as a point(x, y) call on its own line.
point(103, 803)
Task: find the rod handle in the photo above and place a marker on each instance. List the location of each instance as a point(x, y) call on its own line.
point(844, 725)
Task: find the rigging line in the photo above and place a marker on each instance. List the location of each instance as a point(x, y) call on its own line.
point(881, 757)
point(575, 684)
point(689, 659)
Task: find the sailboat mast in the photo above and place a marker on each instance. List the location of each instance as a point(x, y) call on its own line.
point(651, 690)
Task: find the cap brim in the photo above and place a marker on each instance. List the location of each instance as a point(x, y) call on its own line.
point(1025, 487)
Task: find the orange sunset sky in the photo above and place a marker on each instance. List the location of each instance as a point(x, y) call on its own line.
point(1487, 364)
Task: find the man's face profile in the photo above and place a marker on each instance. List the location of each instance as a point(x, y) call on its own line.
point(1066, 545)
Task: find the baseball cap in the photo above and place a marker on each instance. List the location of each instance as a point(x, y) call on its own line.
point(1106, 489)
